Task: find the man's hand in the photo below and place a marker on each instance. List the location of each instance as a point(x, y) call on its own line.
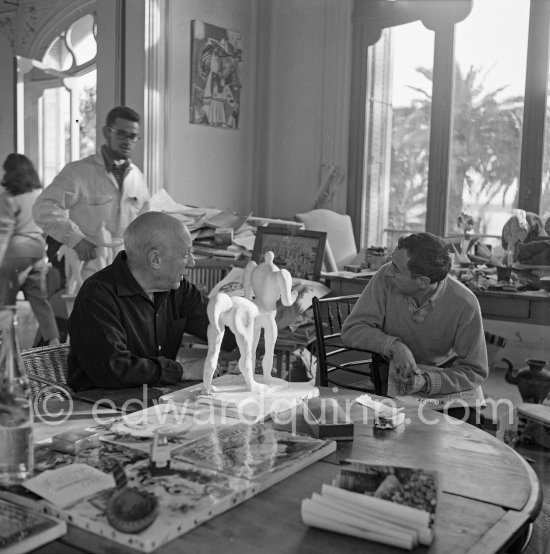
point(85, 250)
point(409, 378)
point(414, 382)
point(403, 358)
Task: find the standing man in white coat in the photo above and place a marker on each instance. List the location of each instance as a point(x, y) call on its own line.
point(89, 204)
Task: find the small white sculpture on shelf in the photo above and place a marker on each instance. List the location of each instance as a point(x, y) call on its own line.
point(264, 285)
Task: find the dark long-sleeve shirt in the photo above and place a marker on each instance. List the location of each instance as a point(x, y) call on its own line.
point(119, 338)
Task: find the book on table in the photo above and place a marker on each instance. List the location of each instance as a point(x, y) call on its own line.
point(23, 530)
point(387, 504)
point(233, 253)
point(208, 474)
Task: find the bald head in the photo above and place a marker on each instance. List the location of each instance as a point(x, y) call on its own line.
point(154, 231)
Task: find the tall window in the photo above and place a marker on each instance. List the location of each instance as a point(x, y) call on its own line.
point(485, 57)
point(412, 64)
point(490, 63)
point(60, 99)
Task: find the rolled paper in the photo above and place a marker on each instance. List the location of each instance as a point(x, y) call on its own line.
point(393, 510)
point(422, 534)
point(362, 519)
point(311, 516)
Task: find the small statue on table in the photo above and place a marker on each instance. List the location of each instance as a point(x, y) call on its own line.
point(264, 285)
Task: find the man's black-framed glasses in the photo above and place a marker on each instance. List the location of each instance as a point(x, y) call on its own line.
point(132, 137)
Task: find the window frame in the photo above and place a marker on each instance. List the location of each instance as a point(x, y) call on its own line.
point(369, 19)
point(29, 111)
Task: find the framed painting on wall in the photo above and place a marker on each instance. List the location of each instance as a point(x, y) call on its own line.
point(216, 55)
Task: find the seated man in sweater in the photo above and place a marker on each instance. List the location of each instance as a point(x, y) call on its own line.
point(413, 313)
point(128, 319)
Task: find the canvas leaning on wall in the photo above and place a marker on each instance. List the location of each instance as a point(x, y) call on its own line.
point(216, 55)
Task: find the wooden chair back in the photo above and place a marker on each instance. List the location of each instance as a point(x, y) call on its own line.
point(329, 315)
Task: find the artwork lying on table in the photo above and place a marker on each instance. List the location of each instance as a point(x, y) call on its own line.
point(216, 55)
point(207, 476)
point(247, 451)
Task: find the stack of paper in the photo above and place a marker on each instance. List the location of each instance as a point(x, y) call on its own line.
point(385, 416)
point(385, 504)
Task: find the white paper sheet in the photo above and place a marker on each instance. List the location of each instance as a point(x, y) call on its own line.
point(68, 484)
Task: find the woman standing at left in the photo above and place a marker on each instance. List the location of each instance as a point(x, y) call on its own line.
point(22, 244)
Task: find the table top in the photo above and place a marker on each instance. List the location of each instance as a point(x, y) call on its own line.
point(489, 493)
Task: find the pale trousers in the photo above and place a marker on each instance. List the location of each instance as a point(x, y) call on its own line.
point(29, 275)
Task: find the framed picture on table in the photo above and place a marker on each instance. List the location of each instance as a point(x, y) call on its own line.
point(300, 252)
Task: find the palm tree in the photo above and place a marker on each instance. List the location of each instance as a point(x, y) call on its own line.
point(485, 150)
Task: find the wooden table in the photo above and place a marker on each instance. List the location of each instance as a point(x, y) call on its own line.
point(521, 307)
point(489, 495)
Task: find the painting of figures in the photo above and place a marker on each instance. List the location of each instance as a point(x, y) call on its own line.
point(216, 55)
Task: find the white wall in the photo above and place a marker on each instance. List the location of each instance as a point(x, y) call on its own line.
point(294, 107)
point(209, 166)
point(306, 124)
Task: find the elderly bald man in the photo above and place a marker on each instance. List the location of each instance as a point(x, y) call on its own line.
point(128, 319)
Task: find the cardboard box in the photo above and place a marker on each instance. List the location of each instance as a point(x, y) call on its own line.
point(75, 440)
point(327, 419)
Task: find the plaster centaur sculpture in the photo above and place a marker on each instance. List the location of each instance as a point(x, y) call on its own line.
point(246, 316)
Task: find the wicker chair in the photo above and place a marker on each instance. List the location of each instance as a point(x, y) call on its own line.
point(46, 368)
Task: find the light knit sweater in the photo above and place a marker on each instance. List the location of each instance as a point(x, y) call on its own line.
point(453, 329)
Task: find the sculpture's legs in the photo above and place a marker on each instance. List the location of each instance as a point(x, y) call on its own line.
point(257, 333)
point(246, 361)
point(270, 338)
point(215, 338)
